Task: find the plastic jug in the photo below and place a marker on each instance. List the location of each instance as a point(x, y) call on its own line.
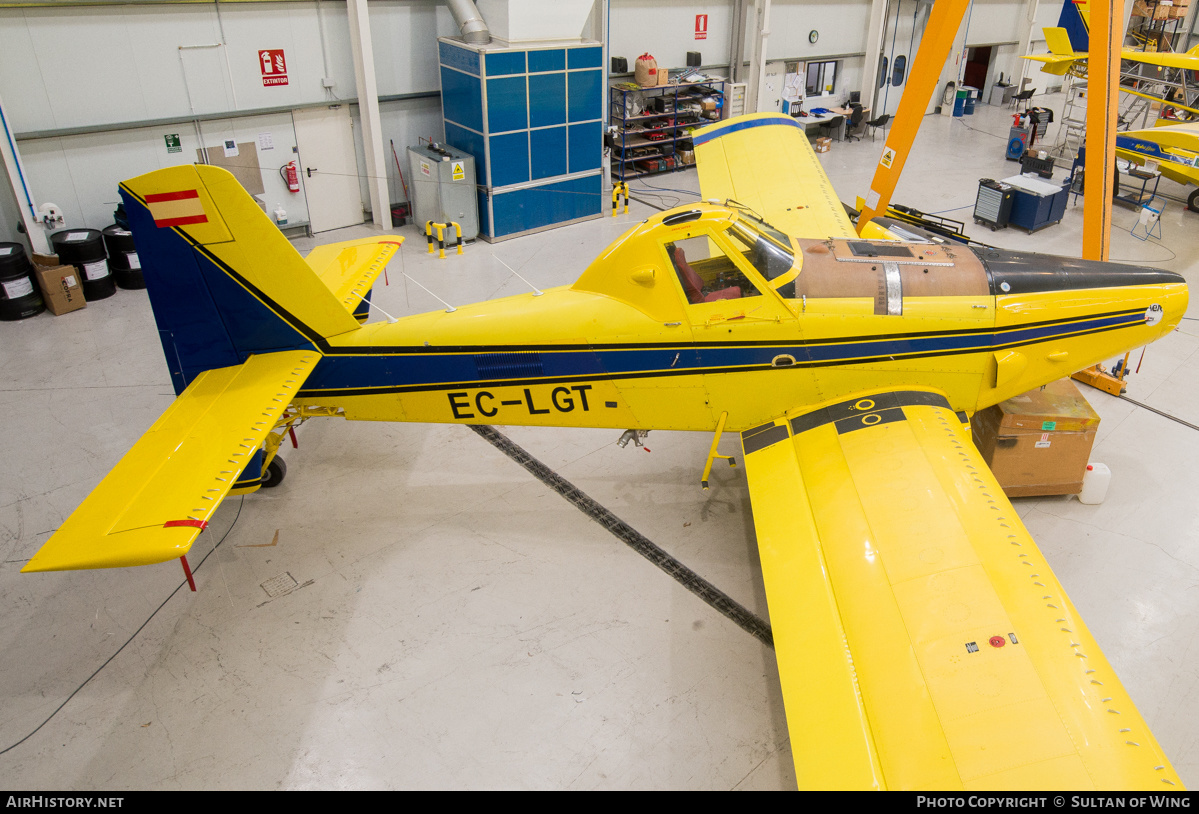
point(1094, 483)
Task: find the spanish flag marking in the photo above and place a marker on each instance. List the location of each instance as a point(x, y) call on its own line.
point(176, 208)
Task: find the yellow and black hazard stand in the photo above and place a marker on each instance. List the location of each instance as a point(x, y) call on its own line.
point(619, 188)
point(430, 226)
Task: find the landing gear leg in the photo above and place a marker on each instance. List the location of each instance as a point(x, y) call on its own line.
point(712, 454)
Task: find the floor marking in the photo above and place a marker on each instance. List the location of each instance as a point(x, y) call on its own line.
point(690, 580)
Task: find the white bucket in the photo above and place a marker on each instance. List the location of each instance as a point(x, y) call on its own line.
point(1094, 483)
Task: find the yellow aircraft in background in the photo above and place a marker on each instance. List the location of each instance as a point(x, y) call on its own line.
point(923, 642)
point(1174, 148)
point(1149, 68)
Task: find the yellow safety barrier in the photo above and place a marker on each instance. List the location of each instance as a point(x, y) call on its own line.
point(430, 226)
point(618, 188)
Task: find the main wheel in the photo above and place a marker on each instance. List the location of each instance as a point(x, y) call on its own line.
point(1193, 201)
point(275, 473)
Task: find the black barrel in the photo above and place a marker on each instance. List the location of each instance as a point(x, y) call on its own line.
point(122, 257)
point(19, 295)
point(84, 249)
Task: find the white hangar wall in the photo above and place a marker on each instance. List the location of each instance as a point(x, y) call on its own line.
point(122, 70)
point(92, 90)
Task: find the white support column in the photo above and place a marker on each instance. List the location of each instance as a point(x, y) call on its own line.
point(874, 49)
point(368, 106)
point(19, 183)
point(1029, 27)
point(757, 63)
point(737, 42)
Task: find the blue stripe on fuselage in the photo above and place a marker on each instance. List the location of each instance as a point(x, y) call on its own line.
point(429, 370)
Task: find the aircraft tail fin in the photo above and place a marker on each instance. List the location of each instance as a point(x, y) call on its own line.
point(225, 283)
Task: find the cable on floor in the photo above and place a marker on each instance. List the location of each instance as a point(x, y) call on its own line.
point(683, 575)
point(131, 638)
point(976, 130)
point(1159, 412)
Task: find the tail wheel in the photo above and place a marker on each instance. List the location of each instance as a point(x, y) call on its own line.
point(275, 473)
point(1193, 201)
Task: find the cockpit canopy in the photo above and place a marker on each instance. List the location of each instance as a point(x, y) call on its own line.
point(715, 253)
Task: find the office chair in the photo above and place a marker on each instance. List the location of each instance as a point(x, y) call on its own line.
point(881, 121)
point(854, 124)
point(827, 127)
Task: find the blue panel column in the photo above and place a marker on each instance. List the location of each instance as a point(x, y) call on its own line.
point(533, 119)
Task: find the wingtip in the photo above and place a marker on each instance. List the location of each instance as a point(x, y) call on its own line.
point(145, 546)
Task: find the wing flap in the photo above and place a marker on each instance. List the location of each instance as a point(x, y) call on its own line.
point(765, 162)
point(159, 496)
point(973, 668)
point(351, 267)
point(843, 756)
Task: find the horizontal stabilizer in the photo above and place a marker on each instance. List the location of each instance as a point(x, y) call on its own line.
point(350, 268)
point(159, 497)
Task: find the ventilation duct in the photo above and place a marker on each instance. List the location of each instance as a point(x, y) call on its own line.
point(470, 21)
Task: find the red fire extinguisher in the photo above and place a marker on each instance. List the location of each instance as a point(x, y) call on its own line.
point(293, 177)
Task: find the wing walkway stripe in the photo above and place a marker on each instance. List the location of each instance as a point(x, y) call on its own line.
point(683, 575)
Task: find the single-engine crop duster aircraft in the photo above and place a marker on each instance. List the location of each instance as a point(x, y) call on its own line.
point(923, 641)
point(1175, 149)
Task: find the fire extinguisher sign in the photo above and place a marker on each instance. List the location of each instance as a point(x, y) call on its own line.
point(701, 26)
point(273, 67)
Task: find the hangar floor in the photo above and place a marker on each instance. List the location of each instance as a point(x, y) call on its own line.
point(453, 622)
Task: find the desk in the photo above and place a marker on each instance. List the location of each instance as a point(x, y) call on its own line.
point(842, 113)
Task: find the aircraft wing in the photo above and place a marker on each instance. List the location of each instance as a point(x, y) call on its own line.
point(1186, 61)
point(158, 498)
point(922, 640)
point(765, 162)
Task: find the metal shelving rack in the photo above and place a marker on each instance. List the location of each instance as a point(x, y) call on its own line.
point(633, 148)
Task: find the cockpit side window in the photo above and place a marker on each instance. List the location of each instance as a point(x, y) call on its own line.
point(770, 259)
point(706, 273)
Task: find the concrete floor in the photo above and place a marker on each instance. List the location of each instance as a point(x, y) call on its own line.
point(454, 623)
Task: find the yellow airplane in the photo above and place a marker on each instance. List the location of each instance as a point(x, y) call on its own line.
point(1167, 68)
point(1175, 149)
point(923, 641)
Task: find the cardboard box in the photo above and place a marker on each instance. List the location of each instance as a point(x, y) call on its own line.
point(1038, 443)
point(823, 144)
point(60, 285)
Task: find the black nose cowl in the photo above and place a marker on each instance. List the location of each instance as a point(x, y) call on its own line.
point(1011, 272)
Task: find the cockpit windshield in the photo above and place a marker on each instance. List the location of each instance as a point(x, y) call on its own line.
point(766, 248)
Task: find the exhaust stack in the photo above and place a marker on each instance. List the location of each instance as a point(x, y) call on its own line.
point(470, 22)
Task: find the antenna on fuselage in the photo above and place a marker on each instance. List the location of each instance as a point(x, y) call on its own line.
point(537, 292)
